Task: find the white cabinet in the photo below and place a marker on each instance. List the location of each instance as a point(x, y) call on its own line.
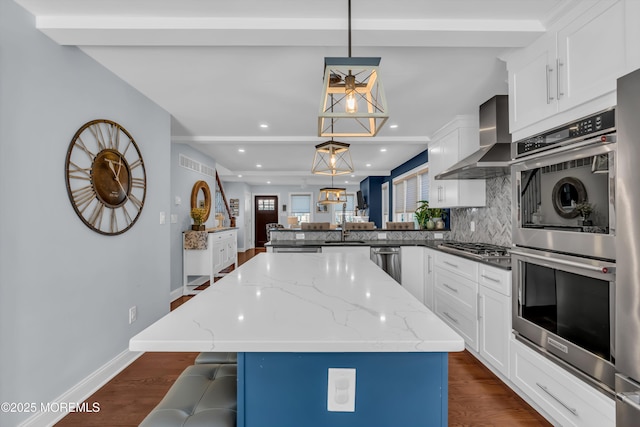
point(452, 143)
point(575, 62)
point(456, 295)
point(413, 270)
point(416, 271)
point(568, 400)
point(494, 294)
point(200, 265)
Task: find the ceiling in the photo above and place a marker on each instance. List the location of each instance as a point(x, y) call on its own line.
point(224, 68)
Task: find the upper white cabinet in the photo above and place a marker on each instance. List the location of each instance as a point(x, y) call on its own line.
point(452, 143)
point(572, 68)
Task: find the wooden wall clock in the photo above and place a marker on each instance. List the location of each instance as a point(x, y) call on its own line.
point(106, 178)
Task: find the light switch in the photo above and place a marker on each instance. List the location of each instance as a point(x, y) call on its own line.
point(174, 218)
point(178, 200)
point(472, 226)
point(163, 218)
point(341, 390)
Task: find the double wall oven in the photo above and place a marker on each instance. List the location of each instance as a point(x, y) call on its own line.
point(563, 260)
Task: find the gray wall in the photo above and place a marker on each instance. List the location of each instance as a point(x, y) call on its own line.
point(182, 181)
point(65, 290)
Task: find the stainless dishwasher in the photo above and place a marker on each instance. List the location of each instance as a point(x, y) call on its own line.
point(388, 259)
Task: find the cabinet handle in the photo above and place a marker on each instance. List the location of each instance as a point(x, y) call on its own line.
point(428, 263)
point(450, 317)
point(490, 278)
point(479, 306)
point(450, 287)
point(546, 390)
point(549, 97)
point(451, 264)
point(559, 64)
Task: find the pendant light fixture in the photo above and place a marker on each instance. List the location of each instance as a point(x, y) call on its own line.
point(332, 195)
point(332, 158)
point(353, 101)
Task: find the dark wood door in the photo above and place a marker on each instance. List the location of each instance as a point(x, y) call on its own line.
point(265, 212)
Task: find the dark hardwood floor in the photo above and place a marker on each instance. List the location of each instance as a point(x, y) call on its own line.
point(476, 396)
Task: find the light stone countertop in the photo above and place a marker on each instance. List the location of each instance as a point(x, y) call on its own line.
point(279, 302)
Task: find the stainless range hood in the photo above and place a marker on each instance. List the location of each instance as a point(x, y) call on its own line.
point(494, 156)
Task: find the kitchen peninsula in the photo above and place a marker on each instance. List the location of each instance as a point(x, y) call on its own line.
point(292, 317)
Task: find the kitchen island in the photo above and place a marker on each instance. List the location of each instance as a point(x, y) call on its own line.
point(292, 317)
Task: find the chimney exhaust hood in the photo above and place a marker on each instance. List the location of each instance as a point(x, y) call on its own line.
point(494, 156)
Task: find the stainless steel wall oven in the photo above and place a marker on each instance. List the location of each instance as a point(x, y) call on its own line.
point(564, 234)
point(564, 188)
point(565, 305)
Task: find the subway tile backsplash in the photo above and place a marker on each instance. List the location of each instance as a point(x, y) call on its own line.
point(492, 222)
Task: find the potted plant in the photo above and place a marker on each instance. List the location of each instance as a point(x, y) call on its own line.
point(197, 214)
point(585, 209)
point(422, 215)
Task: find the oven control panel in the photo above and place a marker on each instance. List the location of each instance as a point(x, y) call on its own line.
point(579, 130)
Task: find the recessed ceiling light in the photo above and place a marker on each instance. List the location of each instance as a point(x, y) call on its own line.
point(268, 182)
point(368, 165)
point(241, 150)
point(264, 125)
point(393, 126)
point(346, 182)
point(239, 176)
point(353, 176)
point(258, 165)
point(382, 150)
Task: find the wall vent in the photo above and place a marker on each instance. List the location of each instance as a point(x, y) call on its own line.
point(196, 166)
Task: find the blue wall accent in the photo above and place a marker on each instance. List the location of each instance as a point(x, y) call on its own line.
point(392, 389)
point(370, 188)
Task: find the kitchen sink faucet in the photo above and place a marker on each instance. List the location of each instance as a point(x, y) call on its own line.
point(343, 232)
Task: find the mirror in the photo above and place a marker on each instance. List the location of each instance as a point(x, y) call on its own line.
point(201, 197)
point(567, 194)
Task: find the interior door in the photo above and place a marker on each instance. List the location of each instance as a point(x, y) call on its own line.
point(265, 212)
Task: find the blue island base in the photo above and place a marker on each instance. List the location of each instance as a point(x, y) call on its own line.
point(392, 389)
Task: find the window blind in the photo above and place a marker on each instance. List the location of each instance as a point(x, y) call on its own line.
point(398, 197)
point(411, 196)
point(424, 185)
point(300, 203)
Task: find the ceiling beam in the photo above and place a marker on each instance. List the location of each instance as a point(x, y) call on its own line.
point(207, 31)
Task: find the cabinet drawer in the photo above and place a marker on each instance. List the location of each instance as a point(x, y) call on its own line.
point(461, 266)
point(460, 319)
point(495, 278)
point(462, 290)
point(566, 398)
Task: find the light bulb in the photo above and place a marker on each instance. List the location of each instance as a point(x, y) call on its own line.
point(350, 90)
point(332, 160)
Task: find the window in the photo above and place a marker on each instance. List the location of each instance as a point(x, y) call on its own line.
point(349, 211)
point(266, 205)
point(385, 203)
point(301, 206)
point(408, 190)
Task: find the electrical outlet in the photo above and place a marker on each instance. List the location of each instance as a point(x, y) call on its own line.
point(437, 236)
point(341, 390)
point(299, 236)
point(382, 236)
point(174, 218)
point(472, 226)
point(133, 314)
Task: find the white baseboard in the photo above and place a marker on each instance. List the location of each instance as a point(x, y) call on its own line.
point(84, 389)
point(175, 294)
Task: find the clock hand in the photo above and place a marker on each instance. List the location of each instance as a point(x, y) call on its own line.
point(110, 162)
point(116, 175)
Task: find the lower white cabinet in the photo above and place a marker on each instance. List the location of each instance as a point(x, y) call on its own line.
point(494, 293)
point(455, 302)
point(205, 264)
point(416, 271)
point(567, 399)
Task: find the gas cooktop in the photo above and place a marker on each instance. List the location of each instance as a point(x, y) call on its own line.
point(476, 250)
